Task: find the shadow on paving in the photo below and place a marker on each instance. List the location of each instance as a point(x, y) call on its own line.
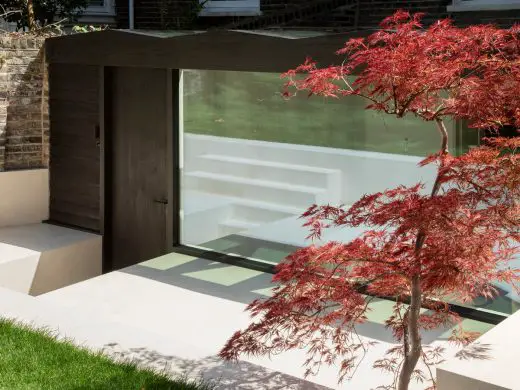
point(226, 376)
point(245, 287)
point(241, 291)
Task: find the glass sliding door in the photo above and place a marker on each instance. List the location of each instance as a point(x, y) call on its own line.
point(253, 162)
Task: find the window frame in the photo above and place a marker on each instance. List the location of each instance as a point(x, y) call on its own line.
point(230, 8)
point(108, 9)
point(483, 5)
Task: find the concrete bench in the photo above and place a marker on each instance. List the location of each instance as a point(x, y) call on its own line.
point(38, 258)
point(490, 363)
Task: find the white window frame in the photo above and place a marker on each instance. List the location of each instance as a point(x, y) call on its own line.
point(483, 5)
point(230, 8)
point(108, 9)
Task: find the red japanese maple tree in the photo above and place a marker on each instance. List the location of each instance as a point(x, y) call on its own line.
point(418, 248)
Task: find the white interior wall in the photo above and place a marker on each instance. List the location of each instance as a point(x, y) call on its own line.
point(362, 172)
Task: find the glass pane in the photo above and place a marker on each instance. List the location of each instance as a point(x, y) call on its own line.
point(244, 285)
point(164, 34)
point(506, 300)
point(467, 138)
point(249, 106)
point(253, 162)
point(289, 34)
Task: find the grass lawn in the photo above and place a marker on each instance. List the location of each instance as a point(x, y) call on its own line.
point(32, 360)
point(248, 105)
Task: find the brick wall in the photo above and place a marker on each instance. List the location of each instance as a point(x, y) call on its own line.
point(503, 19)
point(179, 14)
point(158, 14)
point(371, 12)
point(24, 118)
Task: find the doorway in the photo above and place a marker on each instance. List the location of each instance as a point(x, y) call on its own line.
point(136, 158)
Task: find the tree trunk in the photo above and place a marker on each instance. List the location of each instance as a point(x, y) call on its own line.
point(30, 15)
point(413, 350)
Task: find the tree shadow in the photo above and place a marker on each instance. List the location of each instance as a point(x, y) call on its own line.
point(198, 275)
point(476, 350)
point(213, 370)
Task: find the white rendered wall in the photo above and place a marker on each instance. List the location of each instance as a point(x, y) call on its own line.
point(493, 368)
point(24, 197)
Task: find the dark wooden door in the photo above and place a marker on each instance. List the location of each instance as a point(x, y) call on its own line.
point(138, 155)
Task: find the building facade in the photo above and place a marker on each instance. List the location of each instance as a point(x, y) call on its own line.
point(308, 14)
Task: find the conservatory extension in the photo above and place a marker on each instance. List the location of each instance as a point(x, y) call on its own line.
point(187, 145)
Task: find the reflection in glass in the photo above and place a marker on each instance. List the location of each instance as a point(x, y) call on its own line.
point(253, 162)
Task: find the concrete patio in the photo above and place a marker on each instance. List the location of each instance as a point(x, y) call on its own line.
point(176, 312)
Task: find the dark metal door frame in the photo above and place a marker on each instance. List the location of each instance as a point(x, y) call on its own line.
point(105, 118)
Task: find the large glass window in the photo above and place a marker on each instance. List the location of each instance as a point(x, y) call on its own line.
point(483, 5)
point(253, 162)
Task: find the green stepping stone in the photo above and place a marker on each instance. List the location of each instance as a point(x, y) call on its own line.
point(381, 310)
point(220, 245)
point(270, 255)
point(470, 326)
point(168, 261)
point(226, 276)
point(268, 292)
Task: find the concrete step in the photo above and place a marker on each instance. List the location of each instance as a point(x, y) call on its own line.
point(86, 327)
point(204, 212)
point(196, 201)
point(180, 316)
point(232, 226)
point(261, 213)
point(256, 189)
point(269, 170)
point(38, 258)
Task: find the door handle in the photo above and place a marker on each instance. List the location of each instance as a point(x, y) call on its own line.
point(97, 132)
point(161, 201)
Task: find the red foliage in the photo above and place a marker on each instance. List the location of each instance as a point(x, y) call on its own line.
point(465, 73)
point(453, 242)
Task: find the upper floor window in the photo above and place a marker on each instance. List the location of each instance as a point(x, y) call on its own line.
point(230, 7)
point(483, 5)
point(100, 7)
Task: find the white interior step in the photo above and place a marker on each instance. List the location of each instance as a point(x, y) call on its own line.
point(264, 163)
point(194, 201)
point(204, 214)
point(259, 213)
point(231, 226)
point(239, 224)
point(290, 231)
point(269, 170)
point(258, 189)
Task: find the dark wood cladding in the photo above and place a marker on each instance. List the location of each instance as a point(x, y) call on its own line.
point(212, 50)
point(74, 153)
